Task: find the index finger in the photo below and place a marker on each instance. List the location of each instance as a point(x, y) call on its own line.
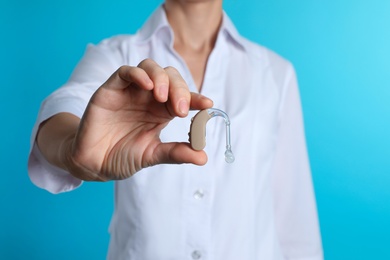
point(159, 77)
point(126, 75)
point(179, 95)
point(200, 102)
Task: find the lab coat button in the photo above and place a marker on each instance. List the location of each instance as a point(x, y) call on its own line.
point(196, 255)
point(199, 194)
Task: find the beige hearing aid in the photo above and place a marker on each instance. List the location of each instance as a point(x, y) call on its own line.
point(197, 132)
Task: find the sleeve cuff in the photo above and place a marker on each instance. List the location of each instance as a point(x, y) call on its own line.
point(314, 257)
point(49, 177)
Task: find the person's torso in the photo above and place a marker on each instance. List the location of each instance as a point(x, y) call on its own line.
point(216, 211)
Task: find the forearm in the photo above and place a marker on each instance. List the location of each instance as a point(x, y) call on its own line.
point(55, 137)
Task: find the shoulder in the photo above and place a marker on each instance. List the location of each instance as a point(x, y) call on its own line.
point(268, 57)
point(116, 49)
point(116, 41)
point(277, 67)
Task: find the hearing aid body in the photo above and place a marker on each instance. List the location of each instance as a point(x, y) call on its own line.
point(197, 132)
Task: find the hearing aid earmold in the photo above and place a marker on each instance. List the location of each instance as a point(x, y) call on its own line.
point(197, 132)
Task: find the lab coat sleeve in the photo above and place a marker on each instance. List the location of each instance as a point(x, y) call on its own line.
point(98, 63)
point(295, 207)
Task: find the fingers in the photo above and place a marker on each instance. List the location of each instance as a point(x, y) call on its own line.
point(159, 78)
point(170, 85)
point(199, 102)
point(179, 94)
point(166, 84)
point(127, 75)
point(181, 98)
point(148, 75)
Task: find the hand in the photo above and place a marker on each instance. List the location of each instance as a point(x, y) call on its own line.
point(119, 132)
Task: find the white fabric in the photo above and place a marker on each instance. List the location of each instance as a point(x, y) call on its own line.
point(260, 207)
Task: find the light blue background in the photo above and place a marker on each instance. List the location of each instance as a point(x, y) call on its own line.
point(341, 51)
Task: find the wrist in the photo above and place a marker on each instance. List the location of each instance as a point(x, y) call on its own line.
point(70, 162)
point(65, 153)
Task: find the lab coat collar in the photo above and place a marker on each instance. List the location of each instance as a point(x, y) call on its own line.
point(158, 21)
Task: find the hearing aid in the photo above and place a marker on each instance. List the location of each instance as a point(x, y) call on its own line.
point(197, 134)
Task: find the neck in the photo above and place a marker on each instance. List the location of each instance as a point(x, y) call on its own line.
point(195, 23)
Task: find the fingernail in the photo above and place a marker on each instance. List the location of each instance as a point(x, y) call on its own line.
point(148, 83)
point(163, 92)
point(183, 107)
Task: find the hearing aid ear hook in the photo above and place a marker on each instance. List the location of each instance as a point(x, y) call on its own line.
point(198, 131)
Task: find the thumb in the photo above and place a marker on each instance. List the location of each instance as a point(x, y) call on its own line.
point(177, 153)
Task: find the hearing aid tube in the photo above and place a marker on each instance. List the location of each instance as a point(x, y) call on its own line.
point(198, 131)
